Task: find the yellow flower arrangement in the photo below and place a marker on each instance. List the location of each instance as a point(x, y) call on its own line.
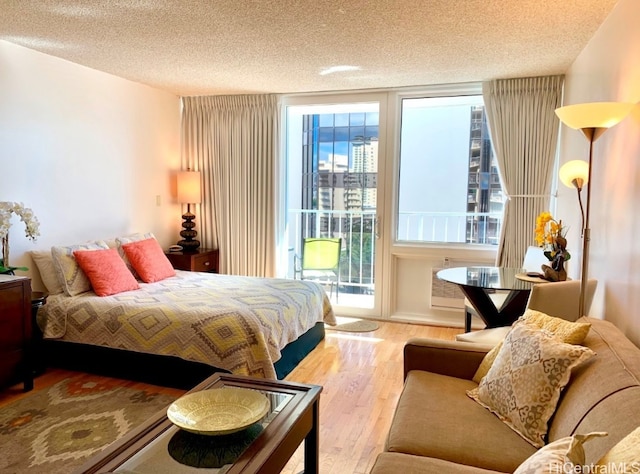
point(549, 235)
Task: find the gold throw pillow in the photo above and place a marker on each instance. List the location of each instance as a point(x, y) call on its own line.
point(567, 331)
point(624, 456)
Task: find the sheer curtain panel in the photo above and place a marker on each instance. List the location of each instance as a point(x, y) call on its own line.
point(524, 131)
point(233, 142)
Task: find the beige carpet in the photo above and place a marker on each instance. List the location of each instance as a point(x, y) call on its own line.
point(355, 326)
point(56, 429)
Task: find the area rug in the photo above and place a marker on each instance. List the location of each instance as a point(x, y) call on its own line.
point(56, 429)
point(355, 326)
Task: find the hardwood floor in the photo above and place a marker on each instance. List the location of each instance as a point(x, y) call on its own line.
point(361, 375)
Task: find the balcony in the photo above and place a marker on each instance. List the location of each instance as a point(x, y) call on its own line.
point(358, 232)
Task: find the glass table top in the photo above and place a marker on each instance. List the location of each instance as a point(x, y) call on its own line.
point(178, 451)
point(495, 278)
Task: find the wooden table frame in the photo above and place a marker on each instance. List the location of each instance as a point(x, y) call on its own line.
point(297, 422)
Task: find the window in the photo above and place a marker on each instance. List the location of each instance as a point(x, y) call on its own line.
point(449, 187)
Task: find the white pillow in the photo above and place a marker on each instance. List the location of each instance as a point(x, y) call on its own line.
point(44, 263)
point(563, 455)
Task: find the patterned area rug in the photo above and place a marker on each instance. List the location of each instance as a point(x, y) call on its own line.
point(55, 430)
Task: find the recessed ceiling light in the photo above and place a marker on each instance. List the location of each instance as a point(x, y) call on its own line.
point(334, 69)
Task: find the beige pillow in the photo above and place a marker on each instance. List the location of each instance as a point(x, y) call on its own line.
point(558, 457)
point(44, 263)
point(71, 277)
point(624, 456)
point(524, 383)
point(567, 331)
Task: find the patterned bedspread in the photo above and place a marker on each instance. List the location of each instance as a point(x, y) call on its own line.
point(231, 322)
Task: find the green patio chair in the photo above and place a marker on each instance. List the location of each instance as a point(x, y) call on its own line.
point(320, 261)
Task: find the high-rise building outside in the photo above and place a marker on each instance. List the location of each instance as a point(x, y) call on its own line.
point(340, 162)
point(484, 191)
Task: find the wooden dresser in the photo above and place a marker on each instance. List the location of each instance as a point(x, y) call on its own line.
point(15, 331)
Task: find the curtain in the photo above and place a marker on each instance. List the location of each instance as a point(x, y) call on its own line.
point(524, 132)
point(233, 142)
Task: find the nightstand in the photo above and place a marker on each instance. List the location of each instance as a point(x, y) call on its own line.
point(38, 299)
point(200, 260)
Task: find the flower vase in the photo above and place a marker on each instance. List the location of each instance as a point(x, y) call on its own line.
point(5, 250)
point(559, 268)
point(555, 271)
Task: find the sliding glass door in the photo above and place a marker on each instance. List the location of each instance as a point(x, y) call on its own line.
point(331, 174)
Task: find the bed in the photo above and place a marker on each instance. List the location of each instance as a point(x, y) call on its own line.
point(243, 325)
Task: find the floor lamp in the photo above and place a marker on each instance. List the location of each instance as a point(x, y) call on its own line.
point(575, 174)
point(592, 119)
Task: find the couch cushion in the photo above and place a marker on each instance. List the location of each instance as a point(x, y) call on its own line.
point(435, 418)
point(395, 463)
point(603, 393)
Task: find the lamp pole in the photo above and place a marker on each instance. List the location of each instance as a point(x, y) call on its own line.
point(590, 133)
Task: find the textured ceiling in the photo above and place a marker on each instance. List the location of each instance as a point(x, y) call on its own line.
point(192, 47)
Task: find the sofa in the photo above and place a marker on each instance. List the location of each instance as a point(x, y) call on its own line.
point(438, 428)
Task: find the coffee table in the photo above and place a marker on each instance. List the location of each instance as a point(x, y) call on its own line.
point(293, 418)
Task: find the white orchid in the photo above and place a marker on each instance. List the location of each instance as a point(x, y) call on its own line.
point(32, 227)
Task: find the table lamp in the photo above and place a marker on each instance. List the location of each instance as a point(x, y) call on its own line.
point(188, 193)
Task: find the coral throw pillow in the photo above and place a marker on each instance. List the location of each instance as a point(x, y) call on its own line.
point(106, 271)
point(148, 260)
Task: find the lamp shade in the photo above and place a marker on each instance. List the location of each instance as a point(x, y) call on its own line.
point(594, 115)
point(189, 187)
point(574, 171)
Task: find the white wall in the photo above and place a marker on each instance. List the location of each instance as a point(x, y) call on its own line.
point(608, 69)
point(87, 151)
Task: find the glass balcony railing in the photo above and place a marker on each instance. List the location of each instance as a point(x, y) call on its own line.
point(358, 232)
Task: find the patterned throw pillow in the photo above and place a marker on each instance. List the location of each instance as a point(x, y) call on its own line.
point(560, 456)
point(624, 456)
point(524, 383)
point(72, 278)
point(106, 271)
point(567, 331)
point(149, 260)
point(127, 239)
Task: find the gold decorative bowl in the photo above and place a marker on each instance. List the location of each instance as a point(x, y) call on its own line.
point(218, 411)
